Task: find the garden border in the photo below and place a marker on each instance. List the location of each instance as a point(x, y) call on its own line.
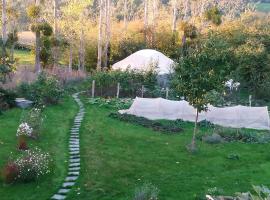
point(74, 153)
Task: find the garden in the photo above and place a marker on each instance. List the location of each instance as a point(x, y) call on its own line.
point(135, 100)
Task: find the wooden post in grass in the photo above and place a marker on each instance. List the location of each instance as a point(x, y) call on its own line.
point(118, 89)
point(142, 90)
point(93, 88)
point(167, 92)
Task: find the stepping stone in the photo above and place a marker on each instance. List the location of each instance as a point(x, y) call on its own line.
point(74, 139)
point(73, 142)
point(74, 133)
point(63, 191)
point(74, 136)
point(59, 196)
point(74, 149)
point(73, 174)
point(74, 160)
point(68, 184)
point(71, 178)
point(74, 152)
point(72, 169)
point(74, 146)
point(74, 157)
point(74, 164)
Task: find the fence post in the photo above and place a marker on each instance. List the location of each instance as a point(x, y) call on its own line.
point(118, 89)
point(142, 90)
point(167, 92)
point(250, 99)
point(93, 88)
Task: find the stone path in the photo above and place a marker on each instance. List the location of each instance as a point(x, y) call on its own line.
point(74, 154)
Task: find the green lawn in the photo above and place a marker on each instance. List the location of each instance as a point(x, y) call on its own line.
point(263, 7)
point(54, 139)
point(118, 156)
point(24, 57)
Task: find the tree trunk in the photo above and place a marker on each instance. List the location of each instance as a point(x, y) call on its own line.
point(37, 56)
point(108, 32)
point(174, 18)
point(55, 28)
point(99, 60)
point(4, 27)
point(187, 10)
point(81, 52)
point(125, 15)
point(146, 14)
point(154, 23)
point(4, 22)
point(70, 58)
point(193, 143)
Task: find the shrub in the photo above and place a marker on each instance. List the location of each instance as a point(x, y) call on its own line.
point(131, 82)
point(111, 103)
point(7, 99)
point(146, 192)
point(45, 90)
point(10, 172)
point(32, 164)
point(24, 130)
point(34, 119)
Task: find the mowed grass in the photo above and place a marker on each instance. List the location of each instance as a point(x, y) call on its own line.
point(263, 7)
point(24, 57)
point(54, 139)
point(118, 156)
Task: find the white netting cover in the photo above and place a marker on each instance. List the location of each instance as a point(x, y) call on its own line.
point(142, 61)
point(235, 117)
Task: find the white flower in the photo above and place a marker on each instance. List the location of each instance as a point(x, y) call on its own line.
point(24, 129)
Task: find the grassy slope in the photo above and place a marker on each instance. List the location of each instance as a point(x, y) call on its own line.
point(118, 156)
point(53, 140)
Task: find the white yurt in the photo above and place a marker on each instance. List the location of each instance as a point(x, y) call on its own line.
point(143, 60)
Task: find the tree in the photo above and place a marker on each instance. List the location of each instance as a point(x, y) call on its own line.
point(34, 12)
point(107, 32)
point(100, 39)
point(174, 18)
point(202, 70)
point(214, 15)
point(4, 26)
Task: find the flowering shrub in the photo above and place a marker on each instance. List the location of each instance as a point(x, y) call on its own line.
point(24, 130)
point(32, 164)
point(34, 120)
point(10, 172)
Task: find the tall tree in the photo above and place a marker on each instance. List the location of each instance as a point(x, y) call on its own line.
point(81, 66)
point(125, 15)
point(4, 25)
point(174, 18)
point(56, 34)
point(34, 12)
point(100, 39)
point(107, 32)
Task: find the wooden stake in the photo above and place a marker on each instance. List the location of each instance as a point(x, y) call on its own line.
point(93, 88)
point(118, 89)
point(142, 90)
point(167, 92)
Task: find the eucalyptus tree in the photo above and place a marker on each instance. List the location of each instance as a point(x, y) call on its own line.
point(4, 26)
point(100, 39)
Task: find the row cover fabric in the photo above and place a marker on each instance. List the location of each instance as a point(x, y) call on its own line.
point(234, 117)
point(143, 60)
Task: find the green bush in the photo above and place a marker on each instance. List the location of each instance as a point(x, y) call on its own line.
point(130, 82)
point(7, 99)
point(45, 90)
